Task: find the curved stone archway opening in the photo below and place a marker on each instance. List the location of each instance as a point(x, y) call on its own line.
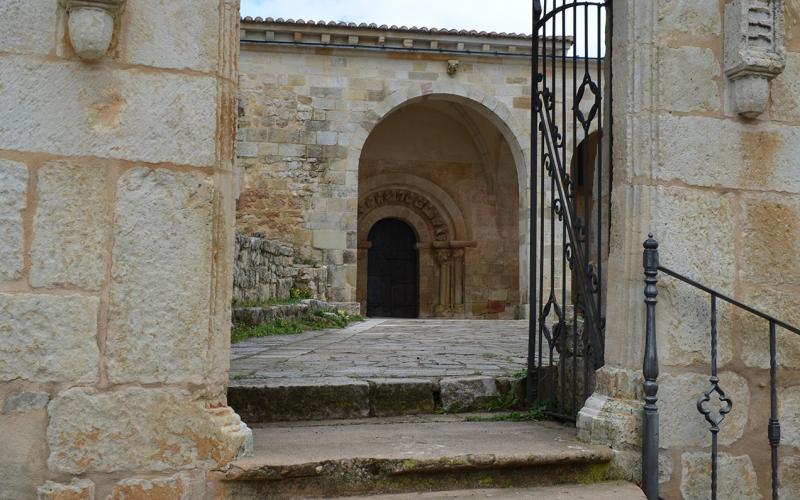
point(444, 168)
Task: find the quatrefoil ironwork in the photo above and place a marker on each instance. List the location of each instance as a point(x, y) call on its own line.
point(715, 421)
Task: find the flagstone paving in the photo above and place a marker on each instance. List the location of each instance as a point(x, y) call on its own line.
point(388, 348)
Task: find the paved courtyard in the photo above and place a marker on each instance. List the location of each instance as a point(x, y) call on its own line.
point(388, 348)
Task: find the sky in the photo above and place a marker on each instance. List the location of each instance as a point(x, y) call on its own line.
point(499, 15)
point(510, 16)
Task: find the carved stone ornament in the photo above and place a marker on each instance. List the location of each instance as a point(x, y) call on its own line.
point(412, 200)
point(91, 25)
point(754, 51)
point(453, 67)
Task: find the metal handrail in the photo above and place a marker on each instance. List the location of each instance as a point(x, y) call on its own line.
point(650, 437)
point(729, 300)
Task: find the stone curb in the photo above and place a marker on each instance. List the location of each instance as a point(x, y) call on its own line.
point(274, 400)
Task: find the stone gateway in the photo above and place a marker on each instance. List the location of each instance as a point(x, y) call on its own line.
point(161, 160)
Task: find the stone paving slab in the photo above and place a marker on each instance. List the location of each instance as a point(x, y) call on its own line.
point(388, 348)
point(389, 367)
point(615, 490)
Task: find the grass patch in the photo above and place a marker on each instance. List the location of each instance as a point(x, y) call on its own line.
point(311, 320)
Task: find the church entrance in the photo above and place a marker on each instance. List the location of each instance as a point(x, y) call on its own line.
point(392, 270)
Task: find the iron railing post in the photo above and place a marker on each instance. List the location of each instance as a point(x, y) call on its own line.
point(650, 438)
point(532, 382)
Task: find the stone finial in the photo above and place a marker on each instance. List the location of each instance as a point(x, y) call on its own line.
point(91, 25)
point(754, 51)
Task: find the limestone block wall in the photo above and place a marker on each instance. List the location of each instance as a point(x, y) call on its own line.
point(720, 192)
point(266, 269)
point(116, 239)
point(306, 113)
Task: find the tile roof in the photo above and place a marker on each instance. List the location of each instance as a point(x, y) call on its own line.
point(384, 27)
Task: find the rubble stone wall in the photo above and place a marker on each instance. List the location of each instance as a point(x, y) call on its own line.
point(266, 269)
point(116, 239)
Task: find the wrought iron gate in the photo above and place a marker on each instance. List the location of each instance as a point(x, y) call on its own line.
point(570, 199)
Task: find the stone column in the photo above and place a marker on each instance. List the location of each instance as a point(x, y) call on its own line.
point(116, 215)
point(444, 261)
point(458, 281)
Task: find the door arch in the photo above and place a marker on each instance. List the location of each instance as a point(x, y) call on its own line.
point(392, 269)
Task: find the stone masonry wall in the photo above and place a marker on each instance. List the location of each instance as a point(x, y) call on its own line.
point(721, 193)
point(116, 231)
point(266, 269)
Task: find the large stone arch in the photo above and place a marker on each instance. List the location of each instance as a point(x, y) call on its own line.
point(516, 135)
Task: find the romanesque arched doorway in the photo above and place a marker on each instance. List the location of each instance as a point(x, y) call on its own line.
point(392, 290)
point(447, 170)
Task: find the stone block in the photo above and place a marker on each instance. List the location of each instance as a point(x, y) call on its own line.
point(688, 17)
point(330, 240)
point(79, 109)
point(471, 393)
point(71, 227)
point(24, 402)
point(177, 487)
point(161, 277)
point(48, 338)
point(308, 399)
point(139, 429)
point(178, 34)
point(23, 460)
point(390, 397)
point(697, 89)
point(13, 199)
point(761, 156)
point(754, 331)
point(680, 422)
point(697, 231)
point(737, 476)
point(789, 411)
point(789, 476)
point(785, 91)
point(771, 240)
point(77, 489)
point(29, 26)
point(684, 325)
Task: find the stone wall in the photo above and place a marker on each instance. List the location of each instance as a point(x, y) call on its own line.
point(720, 191)
point(266, 270)
point(116, 231)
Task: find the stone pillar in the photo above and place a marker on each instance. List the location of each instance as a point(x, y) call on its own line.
point(116, 216)
point(444, 261)
point(720, 205)
point(458, 281)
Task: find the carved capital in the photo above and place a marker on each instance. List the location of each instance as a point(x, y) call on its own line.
point(91, 25)
point(754, 51)
point(443, 256)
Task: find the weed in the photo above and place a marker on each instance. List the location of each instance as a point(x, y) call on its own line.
point(313, 319)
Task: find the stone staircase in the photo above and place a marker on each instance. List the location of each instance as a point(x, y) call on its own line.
point(430, 456)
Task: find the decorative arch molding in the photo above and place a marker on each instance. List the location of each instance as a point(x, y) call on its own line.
point(434, 194)
point(440, 226)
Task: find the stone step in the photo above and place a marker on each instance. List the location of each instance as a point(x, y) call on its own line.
point(612, 490)
point(410, 454)
point(292, 399)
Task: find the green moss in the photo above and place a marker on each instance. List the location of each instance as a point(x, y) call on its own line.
point(311, 320)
